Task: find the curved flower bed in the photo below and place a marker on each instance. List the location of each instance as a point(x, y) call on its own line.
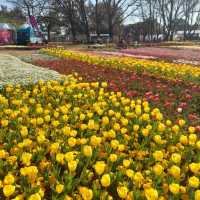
point(158, 68)
point(75, 140)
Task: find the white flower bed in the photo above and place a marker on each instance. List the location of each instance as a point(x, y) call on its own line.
point(13, 70)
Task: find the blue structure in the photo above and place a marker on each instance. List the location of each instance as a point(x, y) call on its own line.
point(27, 35)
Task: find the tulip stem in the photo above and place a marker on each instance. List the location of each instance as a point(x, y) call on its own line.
point(82, 174)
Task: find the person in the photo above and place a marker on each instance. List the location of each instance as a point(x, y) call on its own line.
point(122, 43)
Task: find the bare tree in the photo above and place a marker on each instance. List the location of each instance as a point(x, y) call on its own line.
point(83, 16)
point(31, 7)
point(76, 16)
point(170, 11)
point(81, 4)
point(118, 11)
point(50, 19)
point(68, 10)
point(191, 17)
point(148, 13)
point(97, 17)
point(172, 15)
point(14, 15)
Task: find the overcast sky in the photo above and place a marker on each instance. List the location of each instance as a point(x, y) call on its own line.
point(4, 2)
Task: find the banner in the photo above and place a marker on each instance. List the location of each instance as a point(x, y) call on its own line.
point(34, 24)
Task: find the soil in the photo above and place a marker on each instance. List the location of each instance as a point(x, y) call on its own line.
point(18, 52)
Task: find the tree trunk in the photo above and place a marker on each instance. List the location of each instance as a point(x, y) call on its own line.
point(73, 33)
point(166, 36)
point(144, 36)
point(97, 18)
point(48, 32)
point(110, 28)
point(171, 36)
point(84, 20)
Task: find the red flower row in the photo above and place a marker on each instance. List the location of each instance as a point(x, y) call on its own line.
point(175, 98)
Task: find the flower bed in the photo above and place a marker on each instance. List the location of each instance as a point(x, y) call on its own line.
point(75, 140)
point(181, 53)
point(14, 71)
point(158, 68)
point(174, 98)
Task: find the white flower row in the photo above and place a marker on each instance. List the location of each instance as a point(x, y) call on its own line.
point(13, 70)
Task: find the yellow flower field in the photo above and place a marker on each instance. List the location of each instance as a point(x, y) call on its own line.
point(75, 140)
point(158, 68)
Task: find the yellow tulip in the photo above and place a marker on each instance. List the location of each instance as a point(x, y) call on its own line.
point(100, 167)
point(175, 171)
point(9, 179)
point(197, 195)
point(59, 188)
point(72, 165)
point(193, 182)
point(122, 191)
point(86, 193)
point(87, 151)
point(158, 155)
point(8, 190)
point(113, 157)
point(174, 188)
point(151, 194)
point(176, 158)
point(35, 196)
point(158, 169)
point(105, 180)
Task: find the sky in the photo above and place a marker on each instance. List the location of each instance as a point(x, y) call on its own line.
point(5, 3)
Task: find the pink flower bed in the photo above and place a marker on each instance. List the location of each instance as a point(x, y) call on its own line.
point(113, 53)
point(166, 53)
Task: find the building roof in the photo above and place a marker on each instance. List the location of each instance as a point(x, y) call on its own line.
point(25, 26)
point(6, 26)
